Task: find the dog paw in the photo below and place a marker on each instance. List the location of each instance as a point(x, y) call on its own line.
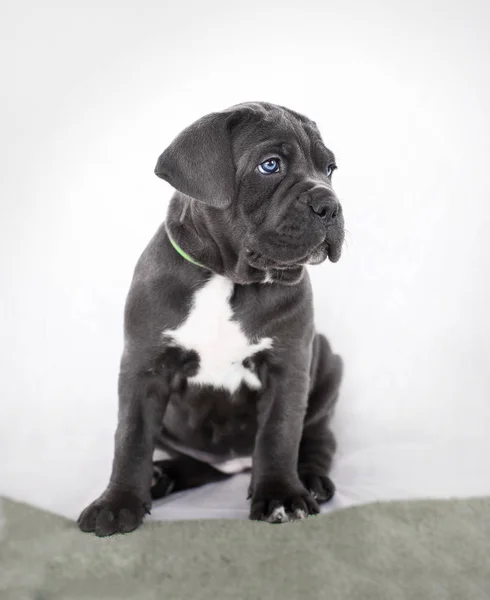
point(276, 505)
point(162, 483)
point(320, 487)
point(114, 512)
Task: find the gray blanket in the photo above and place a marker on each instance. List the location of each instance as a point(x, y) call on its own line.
point(394, 551)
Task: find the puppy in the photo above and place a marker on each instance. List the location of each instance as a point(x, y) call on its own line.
point(221, 362)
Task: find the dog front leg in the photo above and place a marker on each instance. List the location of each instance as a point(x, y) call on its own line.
point(278, 495)
point(143, 397)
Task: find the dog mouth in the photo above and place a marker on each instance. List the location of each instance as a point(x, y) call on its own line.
point(326, 249)
point(293, 248)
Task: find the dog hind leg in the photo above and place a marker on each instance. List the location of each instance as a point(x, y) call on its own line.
point(182, 473)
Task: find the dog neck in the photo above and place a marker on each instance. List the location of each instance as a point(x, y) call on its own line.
point(211, 239)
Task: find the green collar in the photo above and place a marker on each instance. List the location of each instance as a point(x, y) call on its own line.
point(183, 253)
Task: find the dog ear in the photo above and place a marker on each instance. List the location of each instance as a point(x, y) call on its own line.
point(199, 162)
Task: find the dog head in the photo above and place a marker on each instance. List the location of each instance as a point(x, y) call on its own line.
point(268, 167)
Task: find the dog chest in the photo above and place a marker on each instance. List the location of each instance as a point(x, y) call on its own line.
point(211, 330)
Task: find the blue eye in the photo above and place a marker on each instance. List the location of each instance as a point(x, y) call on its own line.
point(330, 170)
point(269, 166)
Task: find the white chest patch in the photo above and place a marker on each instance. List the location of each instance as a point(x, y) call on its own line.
point(219, 340)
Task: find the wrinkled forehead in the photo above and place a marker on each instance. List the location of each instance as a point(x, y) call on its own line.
point(275, 131)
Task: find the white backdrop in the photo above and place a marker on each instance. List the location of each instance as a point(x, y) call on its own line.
point(92, 93)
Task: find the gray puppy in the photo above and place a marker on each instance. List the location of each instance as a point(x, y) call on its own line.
point(221, 360)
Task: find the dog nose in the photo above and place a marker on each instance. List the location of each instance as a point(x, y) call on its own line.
point(324, 204)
